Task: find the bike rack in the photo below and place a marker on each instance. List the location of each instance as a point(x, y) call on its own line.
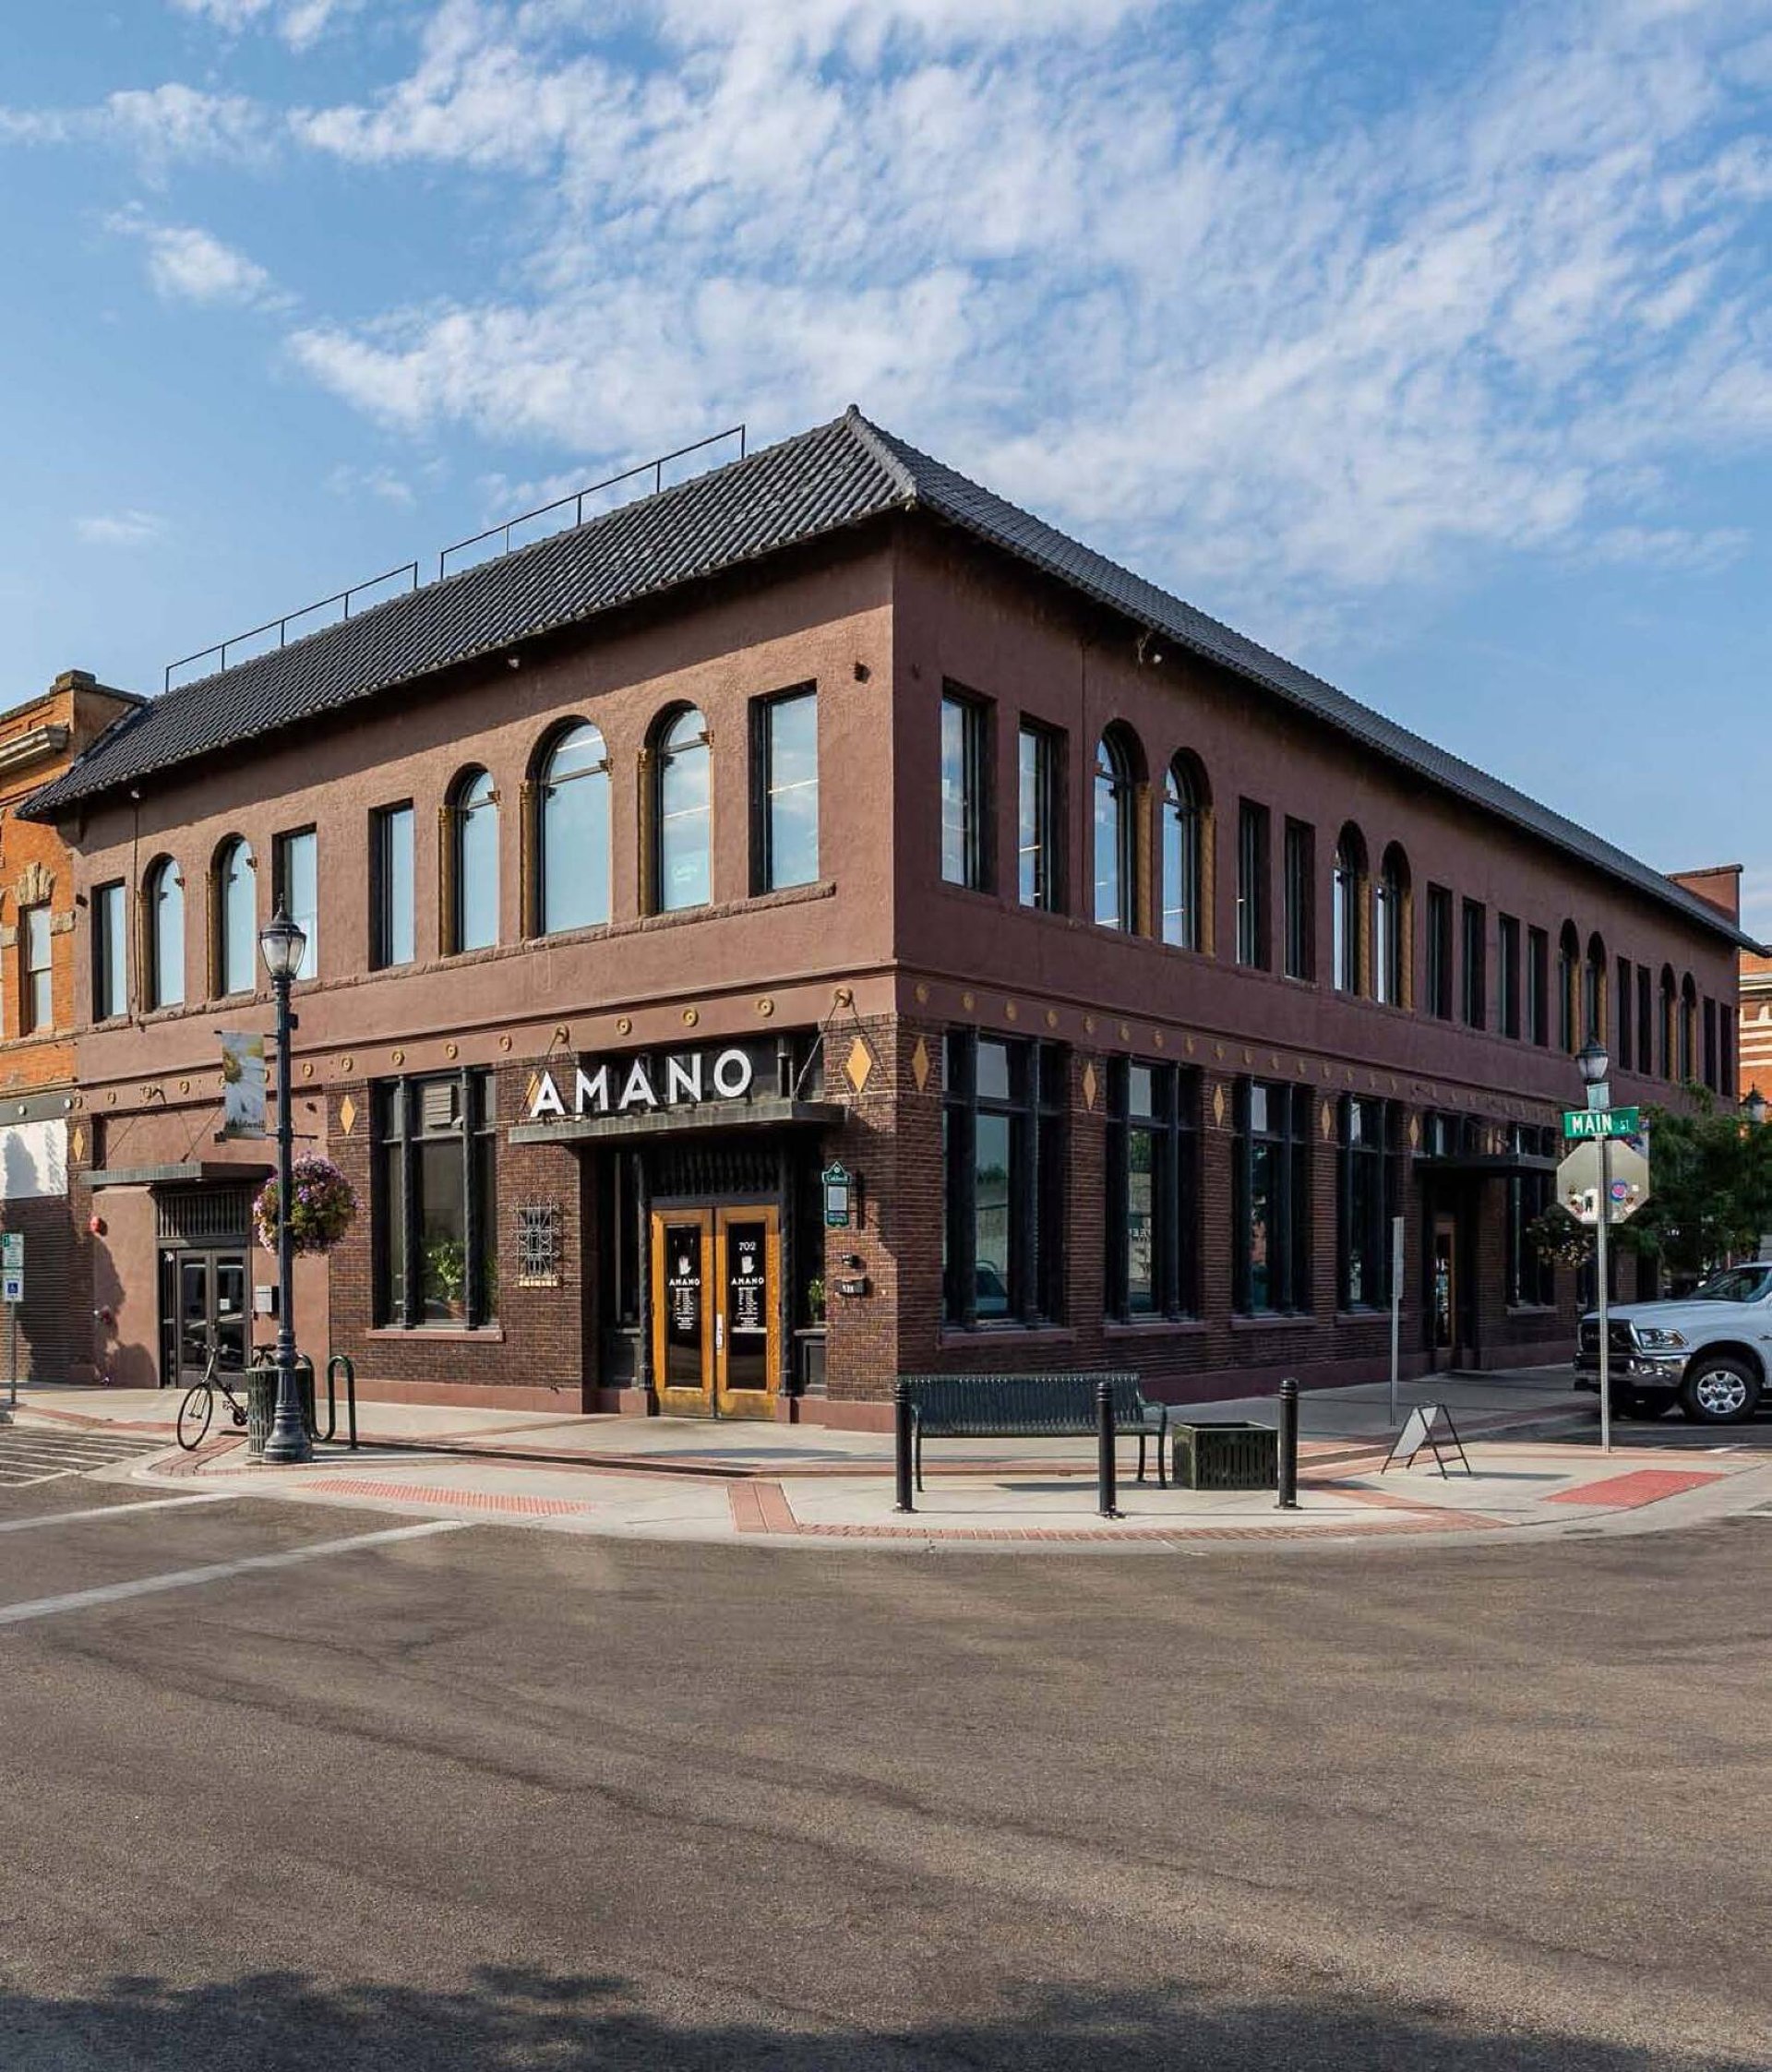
point(337, 1360)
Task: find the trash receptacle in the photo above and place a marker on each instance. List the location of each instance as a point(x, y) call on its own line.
point(1226, 1456)
point(261, 1408)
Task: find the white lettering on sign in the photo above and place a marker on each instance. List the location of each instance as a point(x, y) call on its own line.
point(690, 1078)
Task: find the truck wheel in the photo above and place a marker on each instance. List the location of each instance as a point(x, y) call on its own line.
point(1719, 1391)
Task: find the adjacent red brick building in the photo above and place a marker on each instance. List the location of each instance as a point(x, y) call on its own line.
point(818, 922)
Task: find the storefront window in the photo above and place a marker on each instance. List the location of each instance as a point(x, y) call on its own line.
point(1004, 1144)
point(1273, 1200)
point(1532, 1279)
point(436, 1202)
point(1152, 1218)
point(1366, 1207)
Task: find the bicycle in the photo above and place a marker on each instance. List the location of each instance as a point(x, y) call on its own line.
point(199, 1407)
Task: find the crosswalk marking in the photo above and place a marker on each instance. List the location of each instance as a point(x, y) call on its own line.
point(28, 1453)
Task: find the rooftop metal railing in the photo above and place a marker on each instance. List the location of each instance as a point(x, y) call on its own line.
point(280, 626)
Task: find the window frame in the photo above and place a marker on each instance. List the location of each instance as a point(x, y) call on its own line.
point(154, 989)
point(1037, 1108)
point(1290, 1145)
point(382, 820)
point(1366, 1191)
point(1347, 887)
point(461, 810)
point(1254, 944)
point(764, 712)
point(1039, 799)
point(36, 1016)
point(1442, 1000)
point(545, 788)
point(1507, 975)
point(396, 1105)
point(1183, 820)
point(1538, 986)
point(110, 948)
point(973, 718)
point(284, 846)
point(222, 884)
point(1171, 1122)
point(1473, 963)
point(1299, 901)
point(1114, 777)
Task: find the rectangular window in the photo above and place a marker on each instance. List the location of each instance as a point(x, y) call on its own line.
point(1726, 1082)
point(1531, 1278)
point(1152, 1191)
point(1538, 986)
point(1002, 1134)
point(1440, 953)
point(1300, 900)
point(392, 930)
point(1645, 1020)
point(435, 1221)
point(110, 952)
point(786, 746)
point(297, 889)
point(1474, 990)
point(965, 858)
point(1710, 1044)
point(37, 995)
point(1252, 943)
point(1508, 944)
point(1040, 819)
point(1272, 1198)
point(1623, 1045)
point(1367, 1206)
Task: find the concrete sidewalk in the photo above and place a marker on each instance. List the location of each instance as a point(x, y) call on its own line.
point(778, 1485)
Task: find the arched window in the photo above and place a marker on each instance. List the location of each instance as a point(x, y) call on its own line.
point(1391, 930)
point(683, 781)
point(1569, 1037)
point(1688, 1030)
point(1116, 905)
point(233, 888)
point(165, 893)
point(1665, 1045)
point(1184, 812)
point(572, 833)
point(1348, 910)
point(470, 904)
point(1593, 991)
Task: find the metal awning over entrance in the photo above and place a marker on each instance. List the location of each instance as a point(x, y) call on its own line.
point(207, 1172)
point(1504, 1165)
point(769, 1114)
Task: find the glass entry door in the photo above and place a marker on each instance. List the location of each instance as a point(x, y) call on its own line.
point(716, 1343)
point(206, 1300)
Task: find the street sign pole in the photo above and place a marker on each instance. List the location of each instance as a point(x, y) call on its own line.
point(1600, 1232)
point(1396, 1305)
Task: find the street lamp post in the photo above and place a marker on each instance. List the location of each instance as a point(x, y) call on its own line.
point(283, 945)
point(1754, 1107)
point(1594, 1065)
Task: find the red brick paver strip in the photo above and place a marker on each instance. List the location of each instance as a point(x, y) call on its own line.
point(1629, 1492)
point(468, 1499)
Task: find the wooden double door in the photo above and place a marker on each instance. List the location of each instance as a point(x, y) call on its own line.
point(715, 1285)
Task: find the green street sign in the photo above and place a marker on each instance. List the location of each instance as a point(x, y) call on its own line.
point(1595, 1123)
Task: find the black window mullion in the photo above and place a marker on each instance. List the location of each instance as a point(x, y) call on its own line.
point(411, 1292)
point(474, 1295)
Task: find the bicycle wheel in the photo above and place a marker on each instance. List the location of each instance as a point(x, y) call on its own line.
point(194, 1415)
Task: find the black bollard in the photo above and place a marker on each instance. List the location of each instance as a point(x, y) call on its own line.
point(902, 1444)
point(1107, 1488)
point(1288, 1445)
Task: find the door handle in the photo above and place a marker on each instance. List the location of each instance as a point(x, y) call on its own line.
point(719, 1331)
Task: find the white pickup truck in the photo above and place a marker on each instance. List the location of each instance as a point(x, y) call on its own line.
point(1709, 1351)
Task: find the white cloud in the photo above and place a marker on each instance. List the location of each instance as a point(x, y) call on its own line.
point(384, 483)
point(298, 22)
point(157, 124)
point(1133, 272)
point(122, 528)
point(186, 263)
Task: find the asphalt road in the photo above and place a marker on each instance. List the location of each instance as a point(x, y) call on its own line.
point(488, 1798)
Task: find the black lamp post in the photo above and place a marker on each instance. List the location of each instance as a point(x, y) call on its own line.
point(283, 945)
point(1754, 1107)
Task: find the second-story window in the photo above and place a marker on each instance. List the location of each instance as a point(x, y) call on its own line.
point(236, 921)
point(1349, 913)
point(1508, 974)
point(1625, 1027)
point(1569, 1037)
point(1440, 953)
point(1183, 855)
point(1473, 963)
point(787, 749)
point(1251, 885)
point(471, 862)
point(164, 899)
point(110, 952)
point(37, 993)
point(572, 854)
point(683, 777)
point(1538, 986)
point(1392, 948)
point(393, 933)
point(1300, 900)
point(1039, 815)
point(295, 868)
point(1116, 905)
point(965, 804)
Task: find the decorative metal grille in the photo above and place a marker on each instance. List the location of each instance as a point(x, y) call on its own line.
point(538, 1245)
point(196, 1216)
point(690, 1171)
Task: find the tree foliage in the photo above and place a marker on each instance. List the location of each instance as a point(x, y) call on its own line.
point(1710, 1188)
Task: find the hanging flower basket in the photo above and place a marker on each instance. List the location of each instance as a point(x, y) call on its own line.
point(1558, 1238)
point(325, 1207)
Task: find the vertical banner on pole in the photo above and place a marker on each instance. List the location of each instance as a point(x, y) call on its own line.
point(243, 1085)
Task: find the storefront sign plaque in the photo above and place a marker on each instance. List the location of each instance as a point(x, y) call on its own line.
point(639, 1084)
point(836, 1180)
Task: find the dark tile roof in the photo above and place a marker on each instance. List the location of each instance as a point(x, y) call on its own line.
point(838, 475)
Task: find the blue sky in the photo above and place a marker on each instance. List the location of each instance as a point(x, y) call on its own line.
point(1432, 345)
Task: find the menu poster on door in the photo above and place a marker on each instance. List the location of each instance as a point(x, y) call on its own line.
point(744, 1284)
point(684, 1286)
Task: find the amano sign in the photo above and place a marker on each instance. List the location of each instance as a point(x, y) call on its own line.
point(639, 1085)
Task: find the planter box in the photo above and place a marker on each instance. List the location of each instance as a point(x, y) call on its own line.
point(1227, 1457)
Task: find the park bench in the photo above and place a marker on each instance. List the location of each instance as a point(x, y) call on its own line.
point(1051, 1406)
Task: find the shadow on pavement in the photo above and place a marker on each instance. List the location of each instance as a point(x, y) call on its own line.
point(509, 2018)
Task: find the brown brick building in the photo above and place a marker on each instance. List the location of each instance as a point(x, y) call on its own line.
point(817, 922)
point(39, 739)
